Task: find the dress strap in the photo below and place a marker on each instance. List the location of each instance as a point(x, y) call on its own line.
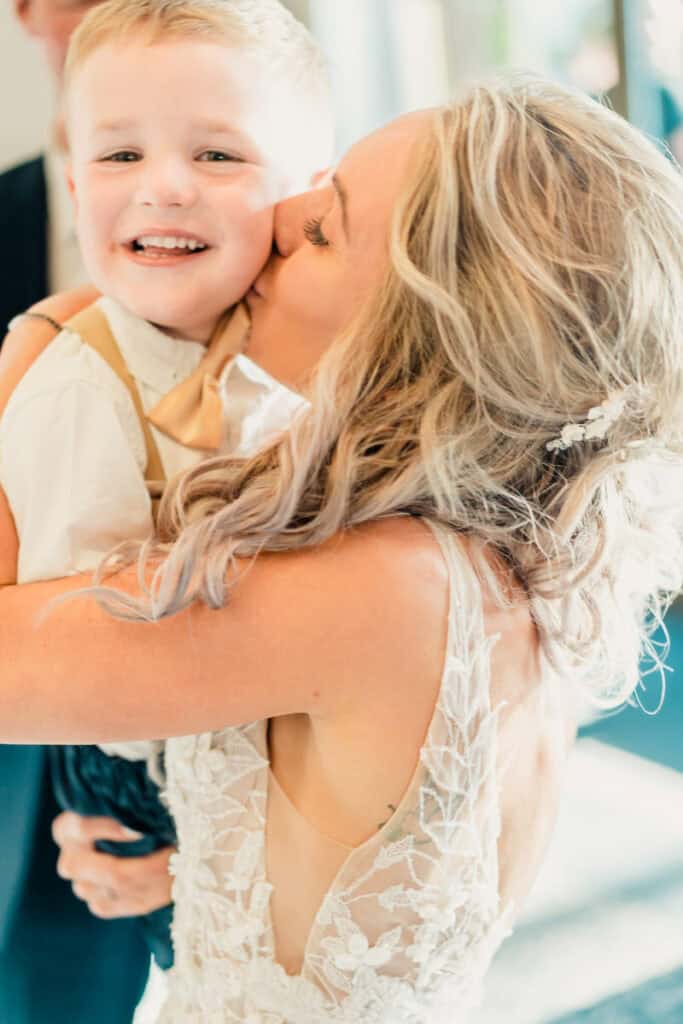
point(467, 640)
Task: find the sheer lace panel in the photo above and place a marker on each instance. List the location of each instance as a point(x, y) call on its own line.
point(408, 926)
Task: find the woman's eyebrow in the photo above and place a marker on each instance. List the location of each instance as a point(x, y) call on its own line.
point(344, 202)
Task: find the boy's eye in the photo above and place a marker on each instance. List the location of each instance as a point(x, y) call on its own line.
point(218, 156)
point(122, 156)
point(314, 233)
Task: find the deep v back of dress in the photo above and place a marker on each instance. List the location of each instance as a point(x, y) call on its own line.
point(398, 929)
point(301, 865)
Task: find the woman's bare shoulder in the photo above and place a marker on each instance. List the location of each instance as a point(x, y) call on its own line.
point(391, 578)
point(393, 565)
point(402, 559)
point(396, 559)
point(401, 545)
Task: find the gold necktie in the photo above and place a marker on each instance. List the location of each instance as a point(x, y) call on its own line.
point(192, 412)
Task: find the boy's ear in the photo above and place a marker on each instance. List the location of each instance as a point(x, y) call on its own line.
point(22, 10)
point(70, 184)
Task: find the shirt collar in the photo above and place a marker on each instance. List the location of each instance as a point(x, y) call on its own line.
point(256, 407)
point(153, 357)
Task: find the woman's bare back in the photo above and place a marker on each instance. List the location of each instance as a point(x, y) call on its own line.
point(345, 773)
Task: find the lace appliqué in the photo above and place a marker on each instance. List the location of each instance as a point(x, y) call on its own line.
point(407, 930)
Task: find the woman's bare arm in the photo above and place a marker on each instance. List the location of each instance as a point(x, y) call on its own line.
point(9, 543)
point(309, 632)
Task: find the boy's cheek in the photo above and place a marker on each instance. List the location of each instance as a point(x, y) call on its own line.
point(98, 208)
point(96, 233)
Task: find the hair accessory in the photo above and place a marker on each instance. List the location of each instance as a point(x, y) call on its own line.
point(596, 424)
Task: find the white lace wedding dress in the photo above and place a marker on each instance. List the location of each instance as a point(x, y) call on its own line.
point(406, 930)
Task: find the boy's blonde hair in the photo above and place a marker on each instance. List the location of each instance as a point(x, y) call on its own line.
point(290, 57)
point(536, 268)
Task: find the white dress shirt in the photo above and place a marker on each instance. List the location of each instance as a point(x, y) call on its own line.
point(72, 452)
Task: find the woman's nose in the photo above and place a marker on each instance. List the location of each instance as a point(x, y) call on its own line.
point(290, 217)
point(166, 183)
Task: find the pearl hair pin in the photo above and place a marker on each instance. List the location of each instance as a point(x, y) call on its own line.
point(596, 424)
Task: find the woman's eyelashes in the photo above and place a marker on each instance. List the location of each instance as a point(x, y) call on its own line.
point(313, 232)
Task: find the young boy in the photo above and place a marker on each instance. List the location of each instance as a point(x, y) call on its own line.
point(187, 120)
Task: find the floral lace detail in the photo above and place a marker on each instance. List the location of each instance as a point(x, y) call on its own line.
point(407, 930)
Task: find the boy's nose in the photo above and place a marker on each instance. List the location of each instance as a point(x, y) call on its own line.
point(165, 184)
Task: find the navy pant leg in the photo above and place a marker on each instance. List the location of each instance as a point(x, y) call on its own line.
point(59, 964)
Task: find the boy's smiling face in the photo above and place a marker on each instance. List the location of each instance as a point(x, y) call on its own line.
point(172, 178)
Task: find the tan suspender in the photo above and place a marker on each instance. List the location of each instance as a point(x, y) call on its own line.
point(93, 329)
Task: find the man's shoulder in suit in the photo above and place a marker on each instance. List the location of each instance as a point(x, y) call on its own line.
point(23, 178)
point(23, 219)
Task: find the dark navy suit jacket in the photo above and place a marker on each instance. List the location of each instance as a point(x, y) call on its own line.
point(58, 963)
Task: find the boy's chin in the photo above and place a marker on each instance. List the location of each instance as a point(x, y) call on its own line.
point(176, 322)
point(190, 330)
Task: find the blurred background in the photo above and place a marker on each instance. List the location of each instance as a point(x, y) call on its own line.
point(601, 940)
point(388, 56)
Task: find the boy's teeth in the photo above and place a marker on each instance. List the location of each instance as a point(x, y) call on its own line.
point(169, 242)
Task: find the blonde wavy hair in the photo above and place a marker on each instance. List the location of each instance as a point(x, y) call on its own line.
point(536, 268)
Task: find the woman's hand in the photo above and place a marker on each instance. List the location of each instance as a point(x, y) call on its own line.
point(110, 886)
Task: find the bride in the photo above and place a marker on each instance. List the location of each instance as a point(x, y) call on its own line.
point(364, 642)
